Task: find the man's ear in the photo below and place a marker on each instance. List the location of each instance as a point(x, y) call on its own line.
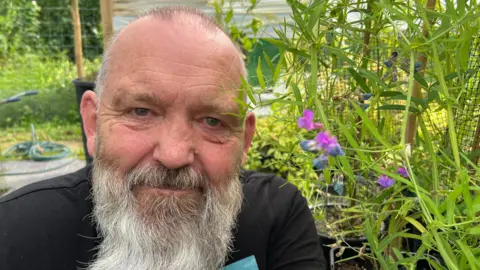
point(88, 110)
point(249, 133)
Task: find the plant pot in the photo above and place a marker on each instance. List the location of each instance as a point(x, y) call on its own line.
point(355, 263)
point(81, 86)
point(423, 264)
point(327, 240)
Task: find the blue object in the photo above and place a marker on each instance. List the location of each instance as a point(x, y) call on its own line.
point(319, 163)
point(248, 263)
point(309, 145)
point(30, 93)
point(336, 151)
point(12, 99)
point(338, 187)
point(418, 65)
point(388, 63)
point(367, 96)
point(364, 106)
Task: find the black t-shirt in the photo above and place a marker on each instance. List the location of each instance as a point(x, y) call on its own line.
point(48, 225)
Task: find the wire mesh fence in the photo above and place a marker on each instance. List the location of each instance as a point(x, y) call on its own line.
point(37, 53)
point(467, 113)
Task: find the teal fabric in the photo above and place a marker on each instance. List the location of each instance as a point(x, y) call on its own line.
point(248, 263)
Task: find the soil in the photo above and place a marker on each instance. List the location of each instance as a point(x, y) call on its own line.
point(350, 265)
point(350, 228)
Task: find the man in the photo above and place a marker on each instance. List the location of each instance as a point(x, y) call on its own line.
point(165, 190)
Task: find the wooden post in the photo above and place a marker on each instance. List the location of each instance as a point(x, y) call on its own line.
point(476, 143)
point(77, 28)
point(417, 88)
point(106, 8)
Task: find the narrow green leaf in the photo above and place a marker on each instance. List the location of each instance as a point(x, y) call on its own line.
point(419, 78)
point(370, 126)
point(474, 230)
point(461, 5)
point(312, 89)
point(339, 53)
point(433, 208)
point(359, 80)
point(298, 97)
point(397, 107)
point(350, 139)
point(391, 94)
point(467, 198)
point(387, 241)
point(445, 250)
point(415, 223)
point(268, 60)
point(229, 16)
point(466, 250)
point(248, 90)
point(313, 19)
point(278, 68)
point(260, 78)
point(370, 235)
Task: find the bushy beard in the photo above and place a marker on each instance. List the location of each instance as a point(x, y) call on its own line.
point(188, 231)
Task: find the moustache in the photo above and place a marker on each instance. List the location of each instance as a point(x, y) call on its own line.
point(164, 178)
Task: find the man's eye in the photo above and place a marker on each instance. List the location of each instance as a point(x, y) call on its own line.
point(212, 121)
point(141, 111)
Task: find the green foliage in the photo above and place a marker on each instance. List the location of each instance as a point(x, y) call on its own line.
point(57, 29)
point(437, 206)
point(19, 27)
point(52, 77)
point(45, 27)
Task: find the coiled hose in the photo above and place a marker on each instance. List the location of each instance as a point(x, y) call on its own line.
point(37, 151)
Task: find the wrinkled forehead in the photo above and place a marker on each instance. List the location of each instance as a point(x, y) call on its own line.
point(181, 51)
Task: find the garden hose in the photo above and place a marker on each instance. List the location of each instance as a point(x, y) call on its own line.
point(38, 151)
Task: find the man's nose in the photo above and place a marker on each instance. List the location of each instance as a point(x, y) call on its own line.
point(175, 146)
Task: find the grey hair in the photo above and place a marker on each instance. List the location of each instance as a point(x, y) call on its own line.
point(168, 13)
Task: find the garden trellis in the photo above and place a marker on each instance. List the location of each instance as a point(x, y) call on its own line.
point(37, 53)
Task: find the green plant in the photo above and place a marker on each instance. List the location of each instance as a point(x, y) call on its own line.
point(437, 205)
point(52, 77)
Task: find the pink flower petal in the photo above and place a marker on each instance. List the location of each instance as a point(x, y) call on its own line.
point(308, 115)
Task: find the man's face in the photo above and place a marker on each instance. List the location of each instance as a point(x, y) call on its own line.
point(168, 140)
point(169, 99)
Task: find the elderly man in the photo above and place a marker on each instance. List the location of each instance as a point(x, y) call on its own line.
point(165, 190)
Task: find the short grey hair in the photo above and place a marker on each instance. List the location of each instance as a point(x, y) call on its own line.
point(167, 13)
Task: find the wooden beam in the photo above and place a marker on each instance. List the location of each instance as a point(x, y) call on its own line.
point(417, 88)
point(77, 30)
point(106, 8)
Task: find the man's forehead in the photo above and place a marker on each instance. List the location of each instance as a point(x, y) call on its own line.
point(177, 49)
point(148, 36)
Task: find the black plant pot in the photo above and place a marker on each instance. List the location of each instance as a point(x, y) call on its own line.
point(81, 86)
point(360, 263)
point(366, 264)
point(423, 264)
point(326, 241)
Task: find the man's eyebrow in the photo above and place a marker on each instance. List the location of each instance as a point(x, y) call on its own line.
point(141, 97)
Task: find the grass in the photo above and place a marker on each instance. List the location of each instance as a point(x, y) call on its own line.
point(63, 133)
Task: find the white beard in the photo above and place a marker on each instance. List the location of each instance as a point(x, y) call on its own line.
point(173, 233)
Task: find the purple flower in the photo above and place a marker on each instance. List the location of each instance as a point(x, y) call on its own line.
point(306, 121)
point(309, 146)
point(403, 172)
point(319, 163)
point(385, 181)
point(329, 144)
point(335, 150)
point(324, 140)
